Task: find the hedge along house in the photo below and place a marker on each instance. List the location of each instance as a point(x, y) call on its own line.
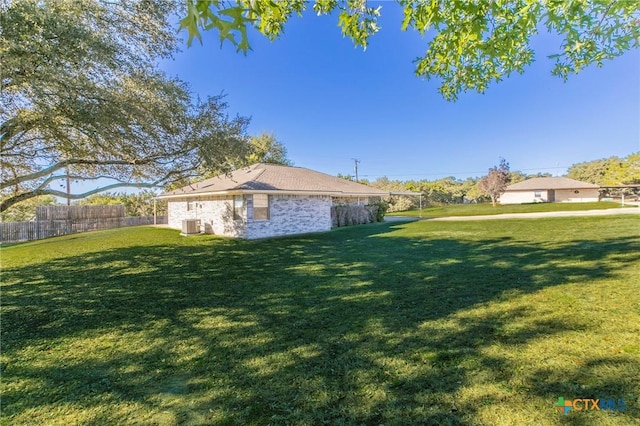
point(550, 190)
point(265, 200)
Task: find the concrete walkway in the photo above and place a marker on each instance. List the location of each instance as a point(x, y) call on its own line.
point(401, 219)
point(604, 212)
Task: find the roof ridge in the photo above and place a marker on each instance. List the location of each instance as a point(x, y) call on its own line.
point(280, 178)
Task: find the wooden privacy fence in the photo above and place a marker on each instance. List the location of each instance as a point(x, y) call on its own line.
point(36, 230)
point(79, 212)
point(63, 220)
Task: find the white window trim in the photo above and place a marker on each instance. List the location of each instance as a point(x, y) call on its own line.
point(268, 208)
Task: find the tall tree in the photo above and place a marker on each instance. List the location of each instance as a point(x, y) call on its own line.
point(396, 203)
point(625, 171)
point(590, 171)
point(495, 183)
point(265, 148)
point(473, 193)
point(608, 171)
point(26, 210)
point(447, 190)
point(472, 43)
point(138, 204)
point(81, 96)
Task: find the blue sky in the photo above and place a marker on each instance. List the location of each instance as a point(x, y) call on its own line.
point(329, 102)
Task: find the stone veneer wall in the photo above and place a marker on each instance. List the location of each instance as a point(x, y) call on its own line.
point(288, 215)
point(292, 214)
point(215, 213)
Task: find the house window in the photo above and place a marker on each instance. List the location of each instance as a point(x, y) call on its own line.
point(237, 207)
point(191, 206)
point(260, 207)
point(537, 194)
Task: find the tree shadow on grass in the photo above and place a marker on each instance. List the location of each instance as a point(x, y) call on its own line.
point(358, 326)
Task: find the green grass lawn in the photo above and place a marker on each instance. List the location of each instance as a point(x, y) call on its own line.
point(487, 208)
point(423, 323)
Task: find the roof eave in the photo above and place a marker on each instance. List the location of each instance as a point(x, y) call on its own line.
point(415, 194)
point(272, 192)
point(549, 189)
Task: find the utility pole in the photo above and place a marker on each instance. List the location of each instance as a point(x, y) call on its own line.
point(355, 167)
point(68, 188)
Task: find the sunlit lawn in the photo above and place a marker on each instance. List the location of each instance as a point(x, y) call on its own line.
point(396, 324)
point(488, 209)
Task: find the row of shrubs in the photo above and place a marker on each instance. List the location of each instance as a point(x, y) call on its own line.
point(353, 214)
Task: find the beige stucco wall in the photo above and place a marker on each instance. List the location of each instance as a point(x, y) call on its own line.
point(520, 197)
point(582, 196)
point(561, 195)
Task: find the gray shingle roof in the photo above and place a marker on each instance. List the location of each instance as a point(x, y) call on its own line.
point(271, 177)
point(550, 183)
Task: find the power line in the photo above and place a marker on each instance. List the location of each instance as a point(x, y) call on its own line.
point(462, 173)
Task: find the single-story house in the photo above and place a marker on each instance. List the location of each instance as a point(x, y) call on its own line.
point(549, 190)
point(264, 200)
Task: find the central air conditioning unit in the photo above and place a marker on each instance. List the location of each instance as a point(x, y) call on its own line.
point(190, 226)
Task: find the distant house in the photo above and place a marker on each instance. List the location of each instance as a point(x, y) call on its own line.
point(264, 200)
point(550, 190)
